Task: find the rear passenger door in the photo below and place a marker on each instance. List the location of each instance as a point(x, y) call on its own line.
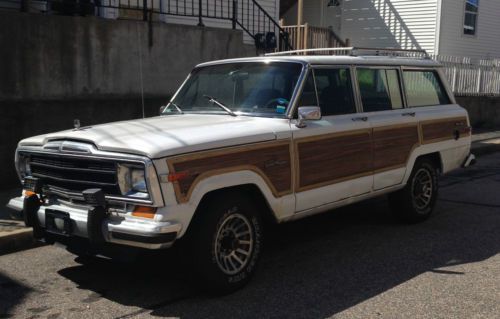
point(394, 129)
point(333, 155)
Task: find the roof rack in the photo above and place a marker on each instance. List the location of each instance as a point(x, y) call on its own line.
point(355, 51)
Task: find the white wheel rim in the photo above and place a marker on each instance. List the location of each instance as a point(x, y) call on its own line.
point(234, 244)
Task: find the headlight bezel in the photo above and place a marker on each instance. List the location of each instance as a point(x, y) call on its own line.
point(22, 165)
point(132, 180)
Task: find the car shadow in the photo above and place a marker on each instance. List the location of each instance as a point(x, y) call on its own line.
point(314, 267)
point(12, 293)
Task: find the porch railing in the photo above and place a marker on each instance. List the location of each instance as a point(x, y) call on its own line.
point(309, 37)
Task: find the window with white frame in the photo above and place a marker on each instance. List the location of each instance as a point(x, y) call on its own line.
point(470, 17)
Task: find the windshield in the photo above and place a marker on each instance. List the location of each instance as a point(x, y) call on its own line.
point(259, 88)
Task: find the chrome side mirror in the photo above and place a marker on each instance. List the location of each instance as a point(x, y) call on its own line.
point(312, 113)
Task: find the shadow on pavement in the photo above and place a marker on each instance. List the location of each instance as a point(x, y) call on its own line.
point(12, 293)
point(315, 267)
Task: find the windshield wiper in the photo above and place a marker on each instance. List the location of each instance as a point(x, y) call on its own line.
point(177, 107)
point(213, 100)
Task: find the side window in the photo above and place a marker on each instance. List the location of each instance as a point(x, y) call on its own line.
point(423, 88)
point(308, 96)
point(379, 89)
point(334, 91)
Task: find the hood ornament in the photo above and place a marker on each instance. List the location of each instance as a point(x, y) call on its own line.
point(76, 124)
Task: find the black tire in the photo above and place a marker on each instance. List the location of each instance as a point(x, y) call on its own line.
point(415, 202)
point(217, 234)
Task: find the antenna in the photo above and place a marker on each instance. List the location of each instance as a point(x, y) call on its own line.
point(140, 67)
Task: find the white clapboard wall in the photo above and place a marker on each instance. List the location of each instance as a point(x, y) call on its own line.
point(408, 24)
point(484, 44)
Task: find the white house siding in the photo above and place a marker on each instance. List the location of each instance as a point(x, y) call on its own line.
point(407, 24)
point(486, 42)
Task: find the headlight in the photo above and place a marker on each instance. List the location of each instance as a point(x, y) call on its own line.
point(132, 181)
point(22, 165)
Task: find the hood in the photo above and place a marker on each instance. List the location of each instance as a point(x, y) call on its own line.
point(170, 135)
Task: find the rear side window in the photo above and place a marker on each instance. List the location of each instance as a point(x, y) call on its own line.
point(379, 89)
point(423, 88)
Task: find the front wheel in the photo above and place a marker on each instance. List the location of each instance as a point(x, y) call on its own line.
point(225, 242)
point(416, 201)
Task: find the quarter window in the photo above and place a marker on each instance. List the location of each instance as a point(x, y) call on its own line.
point(470, 16)
point(423, 88)
point(379, 89)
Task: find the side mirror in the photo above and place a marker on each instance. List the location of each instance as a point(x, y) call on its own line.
point(312, 113)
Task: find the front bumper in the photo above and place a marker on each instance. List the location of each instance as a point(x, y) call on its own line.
point(124, 230)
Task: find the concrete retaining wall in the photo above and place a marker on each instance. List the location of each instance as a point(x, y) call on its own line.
point(52, 57)
point(54, 69)
point(484, 111)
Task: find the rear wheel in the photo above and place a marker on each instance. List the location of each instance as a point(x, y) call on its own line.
point(225, 241)
point(415, 202)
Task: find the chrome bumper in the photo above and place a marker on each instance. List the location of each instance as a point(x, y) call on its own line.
point(130, 231)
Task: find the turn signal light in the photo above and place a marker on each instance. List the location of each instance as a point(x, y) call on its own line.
point(144, 211)
point(173, 177)
point(28, 193)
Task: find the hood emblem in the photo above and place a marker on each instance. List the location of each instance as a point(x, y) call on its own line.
point(76, 124)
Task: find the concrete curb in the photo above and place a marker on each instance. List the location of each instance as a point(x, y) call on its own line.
point(19, 239)
point(485, 147)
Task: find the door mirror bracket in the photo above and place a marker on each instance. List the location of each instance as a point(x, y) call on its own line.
point(311, 113)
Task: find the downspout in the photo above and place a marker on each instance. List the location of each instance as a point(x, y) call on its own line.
point(437, 35)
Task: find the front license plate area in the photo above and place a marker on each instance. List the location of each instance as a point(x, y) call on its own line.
point(57, 222)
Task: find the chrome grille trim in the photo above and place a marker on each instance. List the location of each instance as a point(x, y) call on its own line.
point(154, 189)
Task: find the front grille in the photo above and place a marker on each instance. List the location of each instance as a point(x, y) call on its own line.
point(75, 174)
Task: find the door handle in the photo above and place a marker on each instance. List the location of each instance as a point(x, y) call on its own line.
point(361, 118)
point(408, 114)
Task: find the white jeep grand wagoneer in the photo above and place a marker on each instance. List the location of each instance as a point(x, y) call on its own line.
point(281, 136)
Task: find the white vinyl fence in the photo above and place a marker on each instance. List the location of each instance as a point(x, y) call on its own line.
point(467, 78)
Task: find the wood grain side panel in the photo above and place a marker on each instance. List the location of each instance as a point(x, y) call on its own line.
point(270, 160)
point(328, 160)
point(392, 146)
point(441, 130)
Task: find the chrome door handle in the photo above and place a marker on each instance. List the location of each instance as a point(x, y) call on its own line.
point(408, 114)
point(361, 118)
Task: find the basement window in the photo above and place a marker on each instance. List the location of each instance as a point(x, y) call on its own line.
point(470, 17)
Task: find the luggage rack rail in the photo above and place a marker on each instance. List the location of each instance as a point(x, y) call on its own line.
point(358, 51)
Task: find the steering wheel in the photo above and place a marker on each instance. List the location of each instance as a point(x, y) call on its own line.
point(271, 102)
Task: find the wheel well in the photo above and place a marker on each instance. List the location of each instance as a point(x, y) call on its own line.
point(248, 189)
point(435, 158)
